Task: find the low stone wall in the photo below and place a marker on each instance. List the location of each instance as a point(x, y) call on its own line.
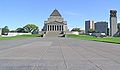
point(15, 34)
point(98, 34)
point(73, 32)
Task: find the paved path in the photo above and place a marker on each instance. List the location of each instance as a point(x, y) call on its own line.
point(58, 54)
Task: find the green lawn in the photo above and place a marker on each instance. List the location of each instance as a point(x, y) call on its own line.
point(20, 37)
point(86, 37)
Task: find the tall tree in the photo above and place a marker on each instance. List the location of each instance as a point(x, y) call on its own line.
point(20, 30)
point(91, 31)
point(108, 31)
point(118, 32)
point(30, 28)
point(76, 29)
point(118, 29)
point(5, 30)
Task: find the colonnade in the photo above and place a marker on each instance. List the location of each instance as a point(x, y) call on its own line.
point(54, 27)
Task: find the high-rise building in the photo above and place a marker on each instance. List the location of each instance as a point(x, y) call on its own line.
point(113, 22)
point(89, 25)
point(101, 27)
point(0, 31)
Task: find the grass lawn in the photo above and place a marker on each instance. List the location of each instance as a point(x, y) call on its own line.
point(86, 37)
point(20, 37)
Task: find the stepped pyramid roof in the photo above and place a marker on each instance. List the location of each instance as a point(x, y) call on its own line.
point(55, 13)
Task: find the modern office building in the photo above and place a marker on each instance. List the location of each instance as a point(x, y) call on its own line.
point(101, 27)
point(0, 31)
point(113, 22)
point(89, 25)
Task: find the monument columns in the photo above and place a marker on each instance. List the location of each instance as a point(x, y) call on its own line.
point(51, 27)
point(54, 27)
point(61, 27)
point(57, 27)
point(47, 27)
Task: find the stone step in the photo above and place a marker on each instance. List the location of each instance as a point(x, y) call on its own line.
point(52, 34)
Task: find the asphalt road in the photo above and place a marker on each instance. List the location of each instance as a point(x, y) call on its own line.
point(58, 54)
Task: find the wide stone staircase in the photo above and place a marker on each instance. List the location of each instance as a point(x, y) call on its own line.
point(53, 34)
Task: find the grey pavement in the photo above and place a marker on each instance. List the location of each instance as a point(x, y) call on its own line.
point(58, 54)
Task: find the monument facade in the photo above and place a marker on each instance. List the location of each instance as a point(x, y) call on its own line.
point(55, 23)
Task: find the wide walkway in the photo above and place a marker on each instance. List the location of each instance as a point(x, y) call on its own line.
point(58, 54)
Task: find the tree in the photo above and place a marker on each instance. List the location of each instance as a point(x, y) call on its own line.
point(30, 28)
point(35, 31)
point(12, 31)
point(76, 29)
point(91, 31)
point(20, 30)
point(108, 31)
point(5, 30)
point(118, 26)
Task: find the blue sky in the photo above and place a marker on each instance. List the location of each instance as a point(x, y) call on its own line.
point(18, 13)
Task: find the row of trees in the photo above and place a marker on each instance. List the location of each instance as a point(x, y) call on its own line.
point(119, 27)
point(5, 30)
point(76, 29)
point(93, 31)
point(29, 28)
point(118, 32)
